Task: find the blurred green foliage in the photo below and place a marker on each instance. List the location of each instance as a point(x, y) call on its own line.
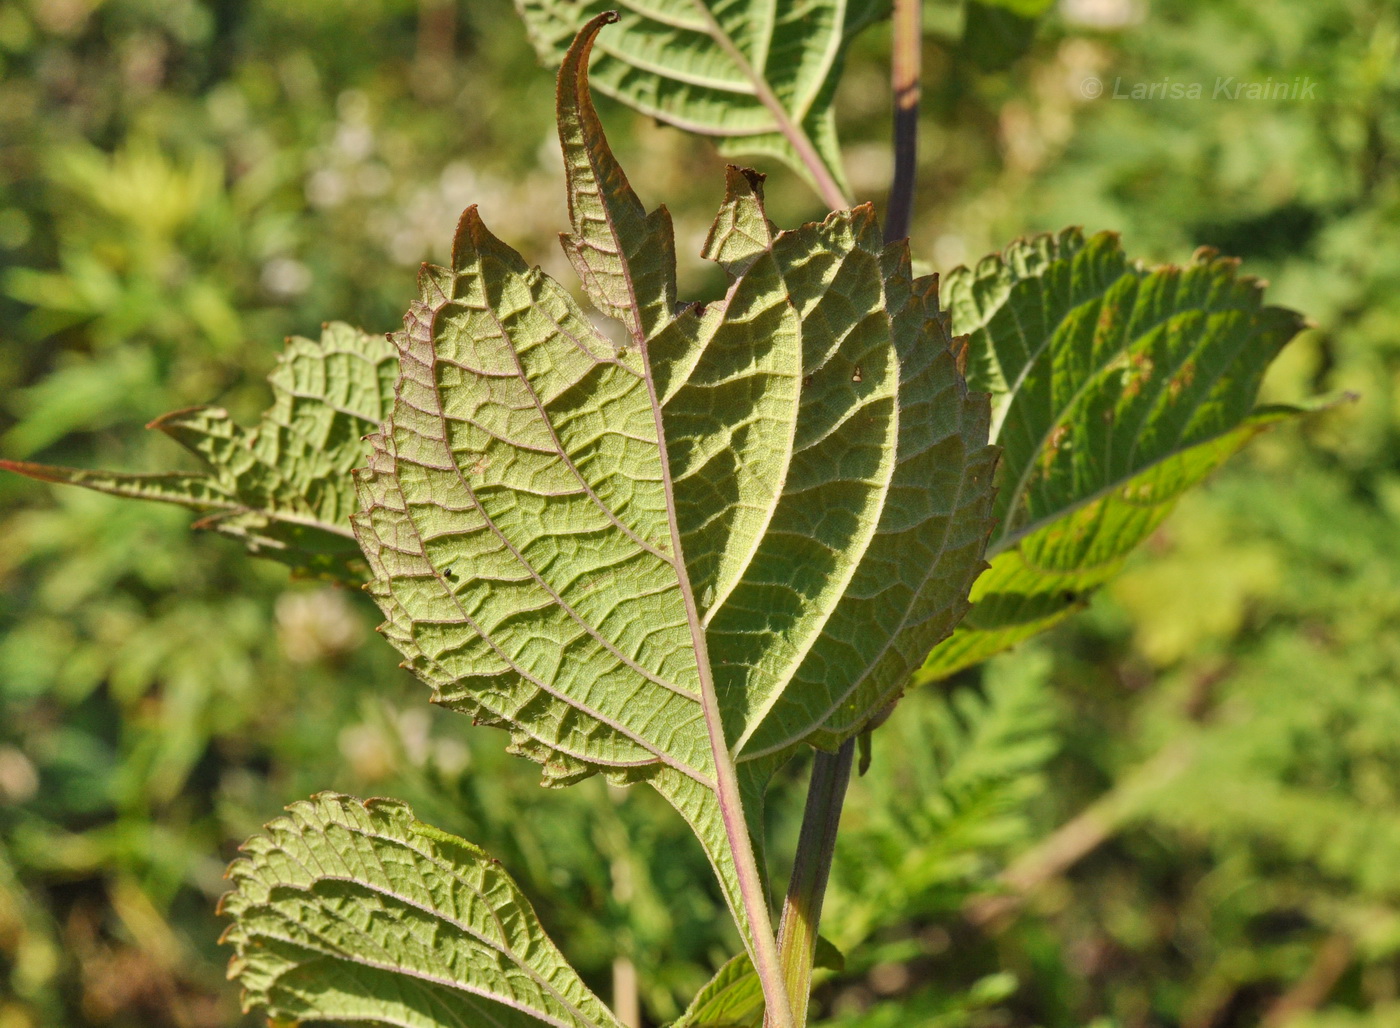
point(1195, 784)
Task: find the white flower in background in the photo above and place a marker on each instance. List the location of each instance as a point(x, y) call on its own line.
point(317, 625)
point(1103, 14)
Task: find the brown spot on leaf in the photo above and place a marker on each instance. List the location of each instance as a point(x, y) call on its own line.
point(1182, 379)
point(961, 346)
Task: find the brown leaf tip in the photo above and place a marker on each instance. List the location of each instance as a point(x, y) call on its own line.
point(755, 178)
point(39, 472)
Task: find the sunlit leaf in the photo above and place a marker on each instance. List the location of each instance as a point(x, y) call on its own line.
point(679, 558)
point(283, 489)
point(1114, 389)
point(358, 912)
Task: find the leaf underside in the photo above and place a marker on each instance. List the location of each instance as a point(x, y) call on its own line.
point(282, 489)
point(1114, 390)
point(733, 536)
point(357, 912)
point(757, 75)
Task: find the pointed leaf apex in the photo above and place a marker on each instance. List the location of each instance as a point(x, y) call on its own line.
point(38, 472)
point(173, 422)
point(624, 256)
point(469, 230)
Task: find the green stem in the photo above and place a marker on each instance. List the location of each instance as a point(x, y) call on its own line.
point(905, 75)
point(816, 846)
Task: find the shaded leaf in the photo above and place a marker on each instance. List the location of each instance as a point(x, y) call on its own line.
point(356, 911)
point(1025, 8)
point(759, 75)
point(1114, 389)
point(682, 558)
point(995, 34)
point(283, 489)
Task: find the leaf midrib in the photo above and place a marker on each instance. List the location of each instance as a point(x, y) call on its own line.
point(725, 786)
point(290, 519)
point(1014, 538)
point(709, 701)
point(563, 455)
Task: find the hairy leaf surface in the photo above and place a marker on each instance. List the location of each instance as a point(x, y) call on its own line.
point(681, 558)
point(358, 912)
point(1114, 389)
point(283, 489)
point(758, 75)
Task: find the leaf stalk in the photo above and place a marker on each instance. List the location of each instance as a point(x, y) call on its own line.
point(816, 847)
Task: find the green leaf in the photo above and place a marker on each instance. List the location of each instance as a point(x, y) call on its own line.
point(1115, 389)
point(733, 998)
point(356, 911)
point(758, 75)
point(282, 489)
point(997, 32)
point(1025, 8)
point(679, 558)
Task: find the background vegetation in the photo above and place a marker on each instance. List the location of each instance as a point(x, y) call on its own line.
point(1182, 808)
